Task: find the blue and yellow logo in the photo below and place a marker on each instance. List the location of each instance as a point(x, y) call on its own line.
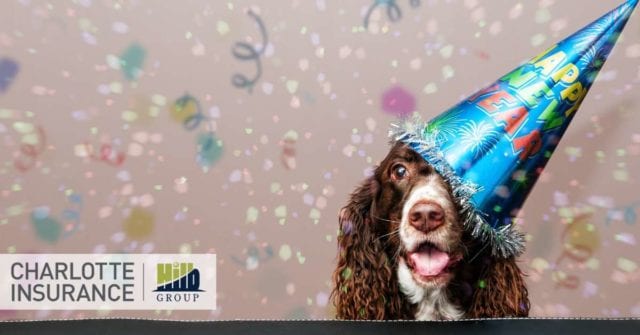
point(177, 277)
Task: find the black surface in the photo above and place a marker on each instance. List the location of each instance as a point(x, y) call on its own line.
point(493, 327)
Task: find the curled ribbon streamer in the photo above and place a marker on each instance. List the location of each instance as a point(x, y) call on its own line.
point(246, 52)
point(393, 10)
point(192, 122)
point(30, 151)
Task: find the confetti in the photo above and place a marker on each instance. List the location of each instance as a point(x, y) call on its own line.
point(72, 214)
point(589, 290)
point(29, 152)
point(322, 299)
point(288, 155)
point(106, 154)
point(285, 252)
point(222, 27)
point(626, 238)
point(132, 60)
point(300, 257)
point(235, 176)
point(8, 71)
point(252, 215)
point(209, 150)
point(139, 224)
point(47, 228)
point(398, 102)
point(120, 27)
point(430, 88)
point(280, 213)
point(627, 265)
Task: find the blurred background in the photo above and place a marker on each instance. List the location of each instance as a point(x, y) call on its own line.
point(239, 128)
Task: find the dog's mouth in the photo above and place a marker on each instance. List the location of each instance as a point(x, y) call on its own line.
point(429, 262)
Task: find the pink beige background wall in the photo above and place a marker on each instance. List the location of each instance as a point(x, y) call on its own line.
point(94, 156)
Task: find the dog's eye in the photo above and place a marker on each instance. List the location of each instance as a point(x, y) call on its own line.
point(399, 172)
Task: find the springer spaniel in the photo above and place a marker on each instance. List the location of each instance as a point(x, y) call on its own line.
point(403, 254)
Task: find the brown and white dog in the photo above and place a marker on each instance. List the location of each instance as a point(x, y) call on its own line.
point(403, 252)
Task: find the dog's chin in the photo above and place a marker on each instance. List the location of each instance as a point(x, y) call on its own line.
point(430, 266)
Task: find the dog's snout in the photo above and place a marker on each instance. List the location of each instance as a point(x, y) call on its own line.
point(426, 216)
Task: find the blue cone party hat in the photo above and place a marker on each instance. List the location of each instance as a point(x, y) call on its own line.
point(492, 146)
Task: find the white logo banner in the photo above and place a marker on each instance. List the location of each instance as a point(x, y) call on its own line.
point(108, 281)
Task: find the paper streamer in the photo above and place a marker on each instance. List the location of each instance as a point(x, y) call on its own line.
point(393, 10)
point(243, 51)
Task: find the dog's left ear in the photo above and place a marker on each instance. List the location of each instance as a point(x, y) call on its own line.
point(500, 291)
point(364, 278)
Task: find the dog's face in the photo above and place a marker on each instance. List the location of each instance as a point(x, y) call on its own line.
point(401, 249)
point(415, 211)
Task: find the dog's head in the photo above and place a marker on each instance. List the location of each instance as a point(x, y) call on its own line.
point(402, 242)
point(414, 207)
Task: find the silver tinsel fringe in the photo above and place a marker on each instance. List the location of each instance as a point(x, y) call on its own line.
point(504, 241)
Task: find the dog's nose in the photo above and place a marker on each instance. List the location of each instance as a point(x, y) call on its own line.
point(426, 216)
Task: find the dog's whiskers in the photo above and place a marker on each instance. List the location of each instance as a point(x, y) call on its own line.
point(397, 231)
point(383, 219)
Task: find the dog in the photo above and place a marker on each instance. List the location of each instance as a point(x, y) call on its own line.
point(404, 254)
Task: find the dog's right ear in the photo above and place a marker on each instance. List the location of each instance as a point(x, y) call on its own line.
point(504, 293)
point(363, 274)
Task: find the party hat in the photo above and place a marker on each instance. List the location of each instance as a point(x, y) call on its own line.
point(492, 146)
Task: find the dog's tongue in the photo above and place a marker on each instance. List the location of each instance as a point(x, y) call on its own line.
point(429, 261)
